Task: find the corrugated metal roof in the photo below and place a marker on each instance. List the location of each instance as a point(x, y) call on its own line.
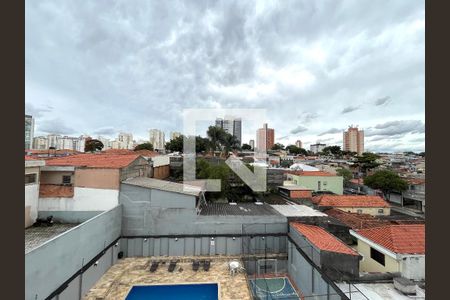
point(164, 185)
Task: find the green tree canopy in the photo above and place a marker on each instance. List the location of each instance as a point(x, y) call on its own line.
point(332, 150)
point(144, 146)
point(345, 173)
point(176, 144)
point(246, 147)
point(277, 147)
point(386, 181)
point(92, 145)
point(216, 136)
point(367, 161)
point(293, 149)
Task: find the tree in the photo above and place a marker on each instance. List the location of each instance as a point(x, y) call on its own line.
point(293, 149)
point(246, 147)
point(386, 181)
point(367, 161)
point(332, 150)
point(92, 145)
point(144, 146)
point(345, 173)
point(216, 135)
point(176, 144)
point(229, 142)
point(277, 147)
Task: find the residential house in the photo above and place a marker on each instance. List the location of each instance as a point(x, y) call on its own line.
point(335, 258)
point(295, 192)
point(361, 204)
point(318, 181)
point(32, 176)
point(394, 249)
point(87, 182)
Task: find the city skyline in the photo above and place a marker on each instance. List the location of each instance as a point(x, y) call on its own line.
point(314, 78)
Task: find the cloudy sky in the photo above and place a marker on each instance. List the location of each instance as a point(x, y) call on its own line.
point(100, 67)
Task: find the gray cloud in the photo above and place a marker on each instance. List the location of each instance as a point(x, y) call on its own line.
point(35, 111)
point(140, 64)
point(108, 130)
point(299, 129)
point(55, 126)
point(382, 101)
point(396, 128)
point(331, 131)
point(349, 109)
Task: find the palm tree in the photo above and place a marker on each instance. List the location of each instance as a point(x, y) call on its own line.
point(216, 135)
point(230, 142)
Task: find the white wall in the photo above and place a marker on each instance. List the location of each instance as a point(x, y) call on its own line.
point(84, 199)
point(31, 199)
point(413, 266)
point(161, 160)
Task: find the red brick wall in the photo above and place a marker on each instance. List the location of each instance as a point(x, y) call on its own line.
point(300, 194)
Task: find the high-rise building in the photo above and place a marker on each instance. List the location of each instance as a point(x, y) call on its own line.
point(125, 140)
point(316, 148)
point(29, 131)
point(252, 144)
point(353, 140)
point(299, 144)
point(174, 135)
point(232, 126)
point(156, 138)
point(265, 138)
point(40, 143)
point(53, 140)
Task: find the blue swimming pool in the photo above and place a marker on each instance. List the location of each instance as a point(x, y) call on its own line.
point(200, 291)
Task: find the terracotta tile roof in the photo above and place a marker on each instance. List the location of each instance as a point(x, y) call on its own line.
point(92, 160)
point(322, 239)
point(54, 190)
point(354, 220)
point(144, 152)
point(416, 181)
point(350, 201)
point(406, 239)
point(309, 173)
point(357, 181)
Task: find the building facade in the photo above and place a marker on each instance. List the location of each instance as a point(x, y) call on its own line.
point(353, 140)
point(299, 144)
point(29, 131)
point(40, 143)
point(318, 181)
point(316, 148)
point(174, 135)
point(252, 144)
point(265, 138)
point(232, 126)
point(156, 138)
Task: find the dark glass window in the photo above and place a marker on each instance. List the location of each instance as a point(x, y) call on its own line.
point(30, 178)
point(66, 179)
point(377, 256)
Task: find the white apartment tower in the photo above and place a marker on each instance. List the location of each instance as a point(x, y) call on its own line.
point(156, 138)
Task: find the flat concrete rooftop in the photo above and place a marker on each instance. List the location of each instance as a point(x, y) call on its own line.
point(36, 236)
point(240, 209)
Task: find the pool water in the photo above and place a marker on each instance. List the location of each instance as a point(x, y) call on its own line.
point(201, 291)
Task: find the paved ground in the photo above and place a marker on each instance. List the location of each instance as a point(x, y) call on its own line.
point(117, 282)
point(36, 236)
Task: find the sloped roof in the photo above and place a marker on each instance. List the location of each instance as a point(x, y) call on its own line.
point(309, 173)
point(164, 185)
point(350, 201)
point(404, 239)
point(322, 239)
point(93, 160)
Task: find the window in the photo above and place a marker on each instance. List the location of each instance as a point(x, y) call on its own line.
point(380, 211)
point(66, 179)
point(318, 185)
point(359, 211)
point(30, 178)
point(324, 183)
point(377, 256)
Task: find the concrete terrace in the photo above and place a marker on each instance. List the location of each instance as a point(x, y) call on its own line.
point(36, 236)
point(118, 280)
